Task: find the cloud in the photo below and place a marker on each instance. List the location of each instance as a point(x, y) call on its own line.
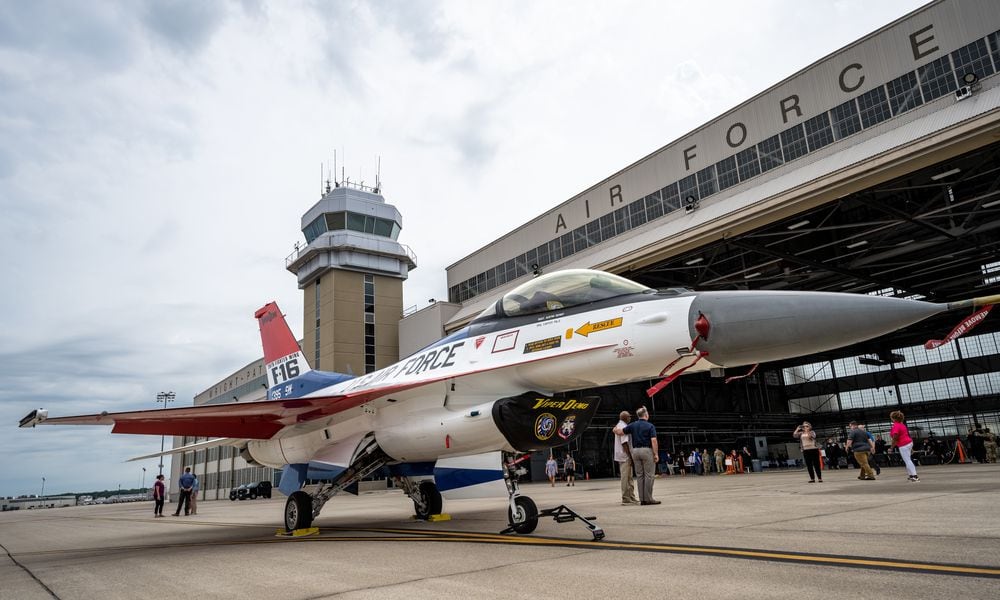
point(186, 26)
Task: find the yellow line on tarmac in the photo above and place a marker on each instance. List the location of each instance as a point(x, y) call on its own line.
point(794, 557)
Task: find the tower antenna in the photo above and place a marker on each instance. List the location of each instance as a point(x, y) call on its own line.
point(378, 173)
point(335, 182)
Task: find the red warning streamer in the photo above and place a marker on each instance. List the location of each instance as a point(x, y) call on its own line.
point(962, 328)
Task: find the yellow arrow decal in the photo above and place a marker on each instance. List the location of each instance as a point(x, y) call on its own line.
point(588, 327)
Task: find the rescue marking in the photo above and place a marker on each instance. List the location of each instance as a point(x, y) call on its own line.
point(589, 328)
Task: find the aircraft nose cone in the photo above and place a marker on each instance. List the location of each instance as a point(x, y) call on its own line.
point(753, 327)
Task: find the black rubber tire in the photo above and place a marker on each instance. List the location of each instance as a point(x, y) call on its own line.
point(298, 511)
point(432, 501)
point(253, 494)
point(530, 514)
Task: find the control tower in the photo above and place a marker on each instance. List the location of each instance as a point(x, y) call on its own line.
point(351, 271)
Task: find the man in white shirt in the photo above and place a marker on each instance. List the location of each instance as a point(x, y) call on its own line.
point(623, 457)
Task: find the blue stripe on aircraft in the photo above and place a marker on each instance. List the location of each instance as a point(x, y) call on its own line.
point(451, 479)
point(421, 469)
point(307, 383)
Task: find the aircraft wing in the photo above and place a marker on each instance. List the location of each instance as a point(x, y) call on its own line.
point(249, 420)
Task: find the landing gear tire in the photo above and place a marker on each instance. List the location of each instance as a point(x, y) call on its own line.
point(526, 519)
point(430, 501)
point(298, 511)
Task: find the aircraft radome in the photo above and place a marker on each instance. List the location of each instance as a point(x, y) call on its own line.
point(451, 419)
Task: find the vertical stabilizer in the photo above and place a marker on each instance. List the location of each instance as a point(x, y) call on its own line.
point(283, 359)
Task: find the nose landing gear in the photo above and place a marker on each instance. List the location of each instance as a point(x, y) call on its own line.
point(523, 514)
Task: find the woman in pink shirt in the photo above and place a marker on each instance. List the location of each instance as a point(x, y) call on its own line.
point(901, 439)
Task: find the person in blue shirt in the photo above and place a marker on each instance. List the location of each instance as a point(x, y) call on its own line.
point(645, 453)
point(186, 483)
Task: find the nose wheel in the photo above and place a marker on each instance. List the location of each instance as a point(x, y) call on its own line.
point(522, 515)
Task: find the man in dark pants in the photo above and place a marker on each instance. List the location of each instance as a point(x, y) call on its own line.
point(159, 494)
point(645, 452)
point(186, 482)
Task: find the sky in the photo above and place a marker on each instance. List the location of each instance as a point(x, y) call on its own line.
point(156, 158)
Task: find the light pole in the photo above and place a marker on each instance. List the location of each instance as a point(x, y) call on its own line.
point(163, 397)
point(43, 487)
point(143, 486)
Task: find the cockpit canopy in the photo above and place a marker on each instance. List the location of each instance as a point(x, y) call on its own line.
point(562, 289)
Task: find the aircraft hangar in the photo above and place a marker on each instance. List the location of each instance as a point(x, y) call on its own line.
point(874, 171)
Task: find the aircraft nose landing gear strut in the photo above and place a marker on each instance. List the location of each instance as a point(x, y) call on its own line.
point(523, 514)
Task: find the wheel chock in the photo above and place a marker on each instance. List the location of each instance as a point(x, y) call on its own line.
point(297, 532)
point(441, 517)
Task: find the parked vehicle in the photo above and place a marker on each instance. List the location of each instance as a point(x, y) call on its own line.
point(251, 491)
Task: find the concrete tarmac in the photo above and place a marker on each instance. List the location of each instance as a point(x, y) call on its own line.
point(770, 535)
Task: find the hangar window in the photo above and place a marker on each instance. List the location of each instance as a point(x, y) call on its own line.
point(769, 152)
point(580, 240)
point(543, 255)
point(937, 78)
point(793, 143)
point(688, 187)
point(637, 213)
point(728, 173)
point(671, 198)
point(748, 165)
point(845, 119)
point(818, 132)
point(874, 106)
point(621, 220)
point(974, 58)
point(706, 182)
point(904, 93)
point(607, 224)
point(654, 206)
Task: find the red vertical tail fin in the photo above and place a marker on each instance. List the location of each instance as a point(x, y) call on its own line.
point(283, 359)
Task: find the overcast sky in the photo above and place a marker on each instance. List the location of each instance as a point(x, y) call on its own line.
point(156, 158)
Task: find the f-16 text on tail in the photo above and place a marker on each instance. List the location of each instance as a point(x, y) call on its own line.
point(449, 420)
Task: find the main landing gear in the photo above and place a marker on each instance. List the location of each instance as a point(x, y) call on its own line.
point(303, 507)
point(425, 495)
point(523, 514)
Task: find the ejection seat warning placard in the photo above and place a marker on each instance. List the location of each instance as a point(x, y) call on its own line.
point(546, 344)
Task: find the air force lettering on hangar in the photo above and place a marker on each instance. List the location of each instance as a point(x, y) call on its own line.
point(882, 68)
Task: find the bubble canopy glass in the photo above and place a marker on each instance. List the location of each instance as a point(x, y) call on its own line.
point(560, 290)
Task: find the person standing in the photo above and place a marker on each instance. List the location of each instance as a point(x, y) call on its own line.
point(810, 450)
point(569, 466)
point(857, 441)
point(623, 457)
point(706, 461)
point(871, 458)
point(720, 461)
point(159, 491)
point(186, 483)
point(551, 468)
point(991, 445)
point(195, 488)
point(645, 451)
point(903, 442)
